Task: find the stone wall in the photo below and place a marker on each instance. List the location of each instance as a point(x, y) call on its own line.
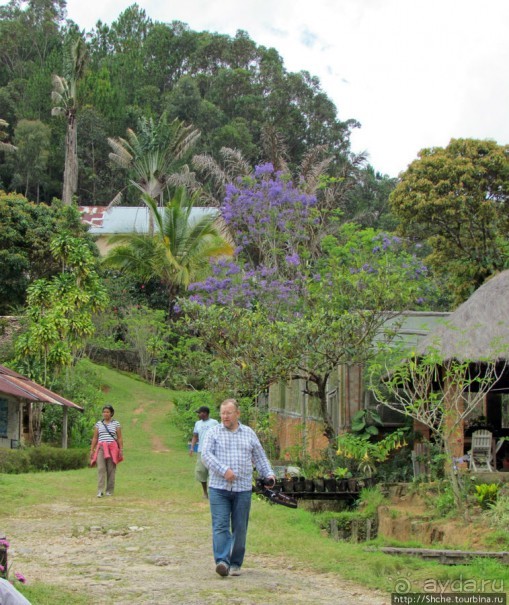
point(127, 361)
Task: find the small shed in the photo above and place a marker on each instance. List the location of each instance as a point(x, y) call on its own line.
point(21, 402)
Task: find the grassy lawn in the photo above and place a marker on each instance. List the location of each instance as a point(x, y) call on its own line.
point(157, 470)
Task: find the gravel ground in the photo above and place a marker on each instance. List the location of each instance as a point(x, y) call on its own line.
point(118, 552)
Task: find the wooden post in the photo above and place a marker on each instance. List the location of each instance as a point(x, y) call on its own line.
point(355, 531)
point(334, 529)
point(368, 529)
point(64, 428)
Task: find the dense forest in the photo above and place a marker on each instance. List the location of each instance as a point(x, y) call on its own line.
point(233, 92)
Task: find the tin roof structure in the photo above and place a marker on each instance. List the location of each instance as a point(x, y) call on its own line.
point(12, 383)
point(105, 220)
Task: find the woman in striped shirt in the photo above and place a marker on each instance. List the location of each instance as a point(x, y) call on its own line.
point(106, 450)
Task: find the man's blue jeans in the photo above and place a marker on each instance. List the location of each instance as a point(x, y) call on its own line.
point(230, 516)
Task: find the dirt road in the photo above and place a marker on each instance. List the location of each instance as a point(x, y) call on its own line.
point(120, 553)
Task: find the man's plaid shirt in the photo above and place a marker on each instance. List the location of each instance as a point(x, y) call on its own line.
point(238, 450)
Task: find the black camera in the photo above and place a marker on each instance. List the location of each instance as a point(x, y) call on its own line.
point(263, 487)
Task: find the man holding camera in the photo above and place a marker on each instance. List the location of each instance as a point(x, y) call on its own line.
point(229, 452)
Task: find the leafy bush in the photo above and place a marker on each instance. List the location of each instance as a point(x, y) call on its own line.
point(14, 461)
point(370, 499)
point(183, 416)
point(397, 467)
point(498, 539)
point(498, 514)
point(82, 385)
point(443, 502)
point(42, 458)
point(486, 494)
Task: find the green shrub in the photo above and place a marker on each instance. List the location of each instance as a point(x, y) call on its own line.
point(370, 499)
point(14, 461)
point(183, 415)
point(440, 498)
point(498, 514)
point(42, 458)
point(499, 539)
point(486, 494)
point(82, 385)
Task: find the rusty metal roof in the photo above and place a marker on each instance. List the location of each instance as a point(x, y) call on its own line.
point(12, 383)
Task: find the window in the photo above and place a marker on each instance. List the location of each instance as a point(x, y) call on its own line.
point(4, 417)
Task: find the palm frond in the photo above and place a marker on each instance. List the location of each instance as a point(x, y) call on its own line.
point(59, 84)
point(115, 201)
point(313, 167)
point(184, 137)
point(234, 162)
point(274, 147)
point(7, 147)
point(58, 111)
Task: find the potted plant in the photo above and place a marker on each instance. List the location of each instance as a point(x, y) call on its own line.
point(366, 454)
point(319, 483)
point(342, 474)
point(331, 485)
point(288, 484)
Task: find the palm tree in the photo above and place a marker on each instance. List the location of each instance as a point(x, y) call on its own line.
point(64, 95)
point(233, 166)
point(4, 135)
point(179, 250)
point(150, 155)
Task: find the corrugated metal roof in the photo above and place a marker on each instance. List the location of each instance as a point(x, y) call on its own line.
point(103, 220)
point(15, 384)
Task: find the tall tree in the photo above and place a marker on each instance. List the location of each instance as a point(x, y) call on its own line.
point(26, 230)
point(65, 98)
point(179, 250)
point(151, 154)
point(60, 309)
point(32, 139)
point(263, 327)
point(457, 199)
point(4, 135)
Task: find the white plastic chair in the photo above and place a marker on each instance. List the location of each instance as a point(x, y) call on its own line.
point(482, 451)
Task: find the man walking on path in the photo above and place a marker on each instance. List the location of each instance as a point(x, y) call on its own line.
point(201, 426)
point(229, 452)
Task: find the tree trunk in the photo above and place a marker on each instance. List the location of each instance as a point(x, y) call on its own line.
point(328, 427)
point(452, 473)
point(71, 160)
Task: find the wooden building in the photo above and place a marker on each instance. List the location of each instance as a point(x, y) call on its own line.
point(296, 415)
point(21, 403)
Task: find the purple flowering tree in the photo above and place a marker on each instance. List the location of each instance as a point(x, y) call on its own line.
point(277, 311)
point(272, 220)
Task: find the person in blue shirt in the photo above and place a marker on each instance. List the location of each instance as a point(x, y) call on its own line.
point(229, 452)
point(201, 426)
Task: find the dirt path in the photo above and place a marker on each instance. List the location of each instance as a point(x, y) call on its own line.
point(127, 550)
point(127, 554)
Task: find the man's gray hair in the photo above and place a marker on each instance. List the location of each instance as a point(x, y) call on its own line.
point(233, 401)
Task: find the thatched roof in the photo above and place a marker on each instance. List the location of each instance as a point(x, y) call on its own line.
point(479, 328)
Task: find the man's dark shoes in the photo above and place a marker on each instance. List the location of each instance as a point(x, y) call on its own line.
point(222, 568)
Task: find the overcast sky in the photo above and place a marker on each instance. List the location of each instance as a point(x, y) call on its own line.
point(414, 73)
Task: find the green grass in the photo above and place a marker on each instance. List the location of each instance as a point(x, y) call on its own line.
point(143, 411)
